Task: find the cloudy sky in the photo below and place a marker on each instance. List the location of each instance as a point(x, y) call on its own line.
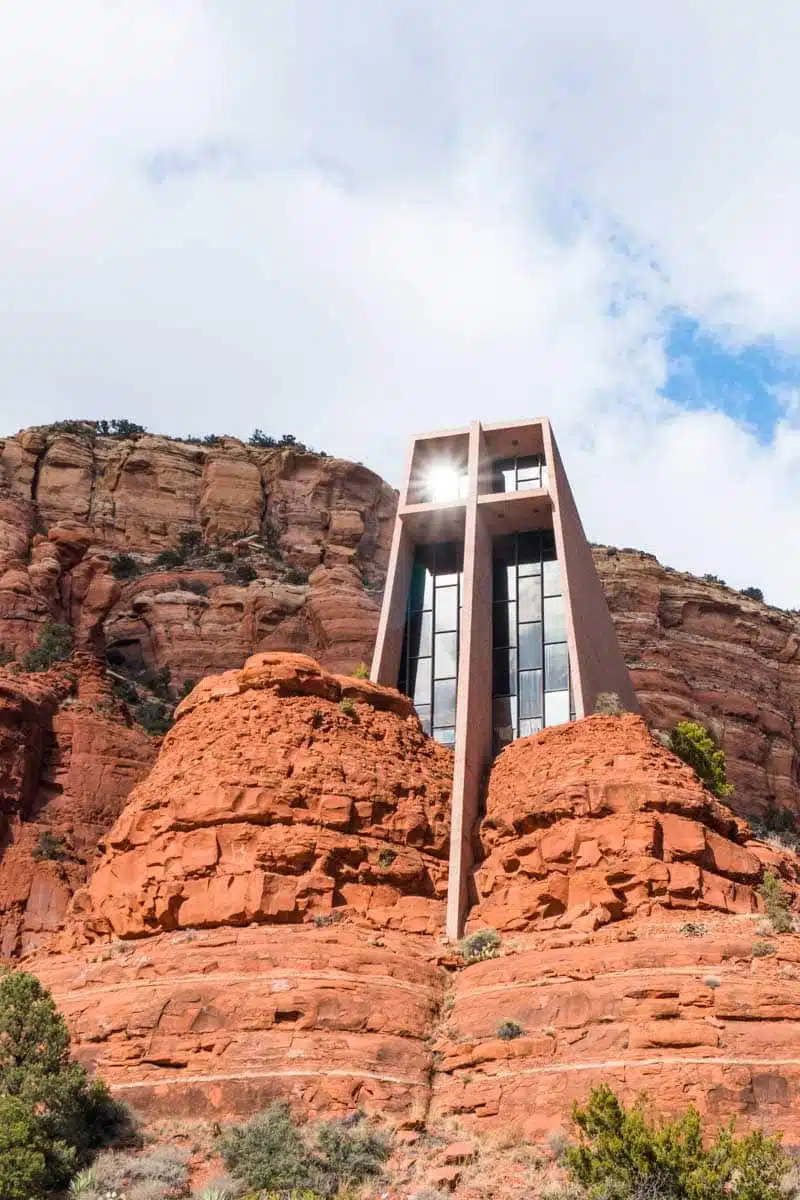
point(351, 219)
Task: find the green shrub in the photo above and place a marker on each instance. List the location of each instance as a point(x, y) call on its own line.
point(507, 1031)
point(270, 1152)
point(126, 690)
point(168, 560)
point(386, 857)
point(154, 716)
point(753, 593)
point(148, 1175)
point(763, 949)
point(196, 586)
point(693, 743)
point(6, 655)
point(484, 943)
point(694, 929)
point(361, 671)
point(244, 573)
point(608, 704)
point(292, 575)
point(55, 645)
point(119, 427)
point(271, 536)
point(187, 686)
point(190, 541)
point(348, 708)
point(622, 1156)
point(777, 902)
point(224, 556)
point(51, 1117)
point(49, 847)
point(124, 566)
point(259, 438)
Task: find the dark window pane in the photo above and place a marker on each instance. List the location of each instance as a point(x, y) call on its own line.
point(505, 673)
point(504, 617)
point(530, 550)
point(447, 564)
point(420, 631)
point(505, 711)
point(551, 578)
point(555, 619)
point(420, 680)
point(444, 703)
point(530, 598)
point(530, 694)
point(421, 591)
point(505, 581)
point(556, 667)
point(445, 655)
point(530, 646)
point(504, 475)
point(446, 613)
point(529, 727)
point(548, 543)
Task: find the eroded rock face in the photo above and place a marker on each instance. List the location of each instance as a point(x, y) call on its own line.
point(69, 501)
point(699, 650)
point(635, 950)
point(283, 793)
point(69, 755)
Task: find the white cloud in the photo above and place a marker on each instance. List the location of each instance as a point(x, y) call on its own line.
point(387, 217)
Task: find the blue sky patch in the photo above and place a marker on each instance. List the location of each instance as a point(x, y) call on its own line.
point(745, 382)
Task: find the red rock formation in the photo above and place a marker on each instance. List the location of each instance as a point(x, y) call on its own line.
point(269, 805)
point(69, 755)
point(697, 649)
point(640, 958)
point(274, 509)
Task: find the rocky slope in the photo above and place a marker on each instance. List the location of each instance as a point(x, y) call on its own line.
point(284, 548)
point(69, 755)
point(265, 922)
point(698, 649)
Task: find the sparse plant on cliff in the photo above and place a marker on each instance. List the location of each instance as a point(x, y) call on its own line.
point(361, 671)
point(168, 560)
point(622, 1155)
point(777, 903)
point(244, 573)
point(608, 704)
point(196, 586)
point(507, 1030)
point(124, 566)
point(753, 593)
point(295, 577)
point(148, 1175)
point(694, 744)
point(763, 949)
point(386, 857)
point(55, 645)
point(271, 1152)
point(49, 847)
point(52, 1118)
point(484, 943)
point(694, 929)
point(348, 708)
point(6, 655)
point(119, 427)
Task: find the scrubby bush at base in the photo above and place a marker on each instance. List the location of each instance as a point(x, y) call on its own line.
point(52, 1118)
point(55, 645)
point(484, 943)
point(271, 1152)
point(777, 903)
point(694, 744)
point(624, 1156)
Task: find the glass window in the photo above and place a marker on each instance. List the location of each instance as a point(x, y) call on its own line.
point(556, 667)
point(445, 656)
point(555, 619)
point(446, 614)
point(556, 708)
point(530, 694)
point(424, 714)
point(551, 578)
point(530, 598)
point(505, 711)
point(504, 471)
point(504, 621)
point(420, 631)
point(447, 564)
point(421, 590)
point(530, 646)
point(504, 681)
point(420, 680)
point(504, 582)
point(529, 548)
point(530, 726)
point(446, 736)
point(444, 703)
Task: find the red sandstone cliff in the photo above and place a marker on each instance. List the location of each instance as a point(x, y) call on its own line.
point(265, 922)
point(697, 649)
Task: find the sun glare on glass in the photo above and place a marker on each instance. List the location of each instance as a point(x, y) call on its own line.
point(444, 483)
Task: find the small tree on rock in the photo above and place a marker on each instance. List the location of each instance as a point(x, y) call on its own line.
point(694, 744)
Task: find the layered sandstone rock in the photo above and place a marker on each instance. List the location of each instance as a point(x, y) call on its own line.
point(283, 793)
point(697, 649)
point(69, 755)
point(275, 882)
point(70, 500)
point(639, 954)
